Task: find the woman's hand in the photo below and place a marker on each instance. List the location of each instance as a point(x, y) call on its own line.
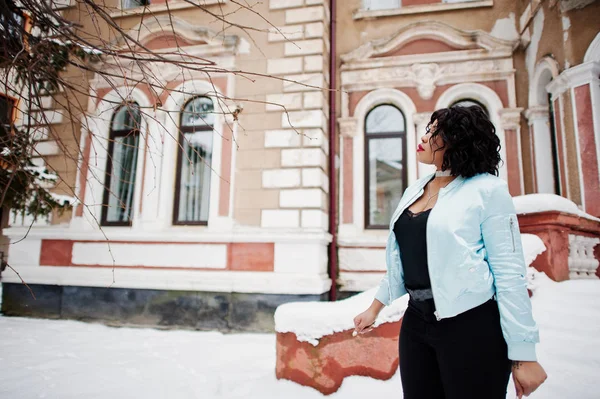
point(528, 376)
point(363, 322)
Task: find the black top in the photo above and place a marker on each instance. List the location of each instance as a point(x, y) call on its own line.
point(411, 233)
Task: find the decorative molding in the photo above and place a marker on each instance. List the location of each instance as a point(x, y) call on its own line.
point(172, 6)
point(510, 118)
point(434, 30)
point(161, 25)
point(422, 118)
point(538, 112)
point(348, 126)
point(425, 77)
point(582, 263)
point(421, 9)
point(593, 51)
point(576, 76)
point(546, 64)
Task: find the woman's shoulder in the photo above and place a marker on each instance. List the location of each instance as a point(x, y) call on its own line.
point(485, 181)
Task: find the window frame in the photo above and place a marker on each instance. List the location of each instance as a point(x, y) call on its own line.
point(479, 103)
point(180, 139)
point(388, 135)
point(108, 170)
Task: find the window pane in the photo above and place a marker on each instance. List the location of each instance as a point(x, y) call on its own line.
point(385, 172)
point(122, 179)
point(385, 119)
point(134, 3)
point(194, 185)
point(6, 109)
point(380, 4)
point(198, 112)
point(127, 118)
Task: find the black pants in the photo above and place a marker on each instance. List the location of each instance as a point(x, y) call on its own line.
point(461, 357)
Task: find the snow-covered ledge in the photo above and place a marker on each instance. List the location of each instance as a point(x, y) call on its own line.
point(571, 236)
point(315, 346)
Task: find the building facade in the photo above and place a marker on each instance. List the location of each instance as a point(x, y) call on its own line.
point(209, 201)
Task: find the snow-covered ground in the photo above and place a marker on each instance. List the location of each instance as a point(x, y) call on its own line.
point(68, 359)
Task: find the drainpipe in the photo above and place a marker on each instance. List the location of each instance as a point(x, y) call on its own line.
point(333, 260)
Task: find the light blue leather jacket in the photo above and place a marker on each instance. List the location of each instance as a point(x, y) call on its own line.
point(474, 252)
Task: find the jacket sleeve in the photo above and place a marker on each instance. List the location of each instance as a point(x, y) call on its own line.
point(502, 241)
point(383, 293)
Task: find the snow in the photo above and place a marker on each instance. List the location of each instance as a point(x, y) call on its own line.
point(311, 321)
point(533, 203)
point(68, 359)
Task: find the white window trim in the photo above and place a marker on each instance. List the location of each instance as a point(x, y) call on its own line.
point(366, 104)
point(418, 9)
point(176, 5)
point(100, 126)
point(169, 135)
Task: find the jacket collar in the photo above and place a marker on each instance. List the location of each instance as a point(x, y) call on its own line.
point(453, 184)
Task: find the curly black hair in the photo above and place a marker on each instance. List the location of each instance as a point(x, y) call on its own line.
point(469, 138)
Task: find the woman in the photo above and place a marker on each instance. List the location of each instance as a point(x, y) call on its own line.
point(454, 246)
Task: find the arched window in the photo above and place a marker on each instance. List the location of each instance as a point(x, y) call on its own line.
point(194, 162)
point(121, 166)
point(467, 102)
point(385, 164)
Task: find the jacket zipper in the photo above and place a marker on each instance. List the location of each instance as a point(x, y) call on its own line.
point(436, 313)
point(512, 233)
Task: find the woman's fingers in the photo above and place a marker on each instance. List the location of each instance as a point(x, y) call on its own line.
point(518, 388)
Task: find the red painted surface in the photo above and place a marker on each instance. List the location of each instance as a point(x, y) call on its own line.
point(353, 100)
point(225, 186)
point(324, 367)
point(512, 162)
point(251, 257)
point(56, 252)
point(420, 46)
point(348, 189)
point(559, 144)
point(240, 256)
point(533, 167)
point(554, 229)
point(587, 146)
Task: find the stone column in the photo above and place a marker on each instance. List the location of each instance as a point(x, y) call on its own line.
point(348, 131)
point(542, 151)
point(510, 121)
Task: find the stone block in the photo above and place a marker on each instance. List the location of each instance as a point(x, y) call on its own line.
point(315, 29)
point(301, 119)
point(313, 218)
point(304, 82)
point(303, 157)
point(314, 63)
point(280, 218)
point(290, 32)
point(305, 47)
point(281, 4)
point(282, 138)
point(305, 14)
point(313, 99)
point(301, 198)
point(279, 66)
point(283, 102)
point(281, 178)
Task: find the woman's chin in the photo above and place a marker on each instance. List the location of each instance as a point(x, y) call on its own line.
point(421, 158)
